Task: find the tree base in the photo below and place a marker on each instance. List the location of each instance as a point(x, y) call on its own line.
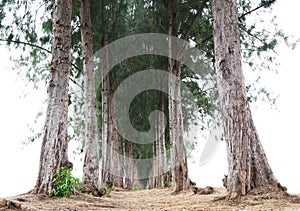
point(94, 191)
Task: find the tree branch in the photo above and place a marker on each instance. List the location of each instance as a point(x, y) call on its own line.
point(44, 49)
point(257, 8)
point(243, 15)
point(26, 43)
point(195, 20)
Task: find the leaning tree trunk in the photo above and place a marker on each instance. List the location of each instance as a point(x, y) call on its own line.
point(54, 151)
point(91, 159)
point(247, 162)
point(178, 152)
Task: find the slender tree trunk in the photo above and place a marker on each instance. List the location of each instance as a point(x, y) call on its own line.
point(91, 159)
point(178, 152)
point(161, 145)
point(247, 162)
point(105, 118)
point(105, 162)
point(152, 180)
point(54, 151)
point(128, 165)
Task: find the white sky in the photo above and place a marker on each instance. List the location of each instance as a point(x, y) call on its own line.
point(278, 130)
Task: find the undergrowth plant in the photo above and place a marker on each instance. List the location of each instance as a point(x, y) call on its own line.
point(65, 183)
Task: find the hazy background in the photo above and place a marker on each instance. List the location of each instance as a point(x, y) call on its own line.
point(278, 128)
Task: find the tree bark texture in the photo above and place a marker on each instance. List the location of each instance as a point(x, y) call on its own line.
point(91, 158)
point(116, 166)
point(54, 150)
point(247, 162)
point(157, 175)
point(161, 147)
point(128, 165)
point(178, 152)
point(105, 162)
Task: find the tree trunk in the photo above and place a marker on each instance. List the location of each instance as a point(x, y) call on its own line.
point(54, 151)
point(105, 118)
point(247, 162)
point(91, 159)
point(153, 174)
point(161, 146)
point(128, 165)
point(105, 161)
point(178, 152)
point(157, 174)
point(115, 166)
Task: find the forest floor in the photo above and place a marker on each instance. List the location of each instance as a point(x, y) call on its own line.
point(156, 199)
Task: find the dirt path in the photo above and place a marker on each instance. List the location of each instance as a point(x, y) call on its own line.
point(154, 200)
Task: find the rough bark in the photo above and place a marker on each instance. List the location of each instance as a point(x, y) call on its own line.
point(105, 162)
point(178, 152)
point(115, 166)
point(248, 167)
point(161, 146)
point(91, 159)
point(128, 165)
point(54, 151)
point(111, 144)
point(159, 165)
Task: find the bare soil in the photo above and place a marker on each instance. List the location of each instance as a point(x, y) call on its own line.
point(157, 199)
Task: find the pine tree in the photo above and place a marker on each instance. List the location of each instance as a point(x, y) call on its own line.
point(54, 151)
point(91, 159)
point(247, 162)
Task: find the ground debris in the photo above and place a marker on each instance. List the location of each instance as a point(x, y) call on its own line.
point(156, 199)
point(9, 204)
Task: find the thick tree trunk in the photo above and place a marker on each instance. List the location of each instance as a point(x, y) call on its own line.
point(91, 159)
point(159, 165)
point(116, 148)
point(178, 152)
point(54, 151)
point(247, 162)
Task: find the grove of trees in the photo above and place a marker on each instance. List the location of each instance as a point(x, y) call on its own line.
point(58, 40)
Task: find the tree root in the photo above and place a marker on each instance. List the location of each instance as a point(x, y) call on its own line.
point(202, 191)
point(92, 190)
point(10, 204)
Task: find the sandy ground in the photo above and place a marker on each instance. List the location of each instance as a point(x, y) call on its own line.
point(157, 199)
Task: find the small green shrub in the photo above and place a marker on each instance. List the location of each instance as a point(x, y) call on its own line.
point(65, 183)
point(108, 190)
point(136, 188)
point(170, 184)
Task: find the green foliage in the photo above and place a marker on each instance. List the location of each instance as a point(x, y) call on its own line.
point(108, 187)
point(30, 22)
point(108, 190)
point(136, 188)
point(169, 184)
point(65, 183)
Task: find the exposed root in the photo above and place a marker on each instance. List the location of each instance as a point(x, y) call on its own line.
point(203, 191)
point(233, 195)
point(93, 190)
point(8, 204)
